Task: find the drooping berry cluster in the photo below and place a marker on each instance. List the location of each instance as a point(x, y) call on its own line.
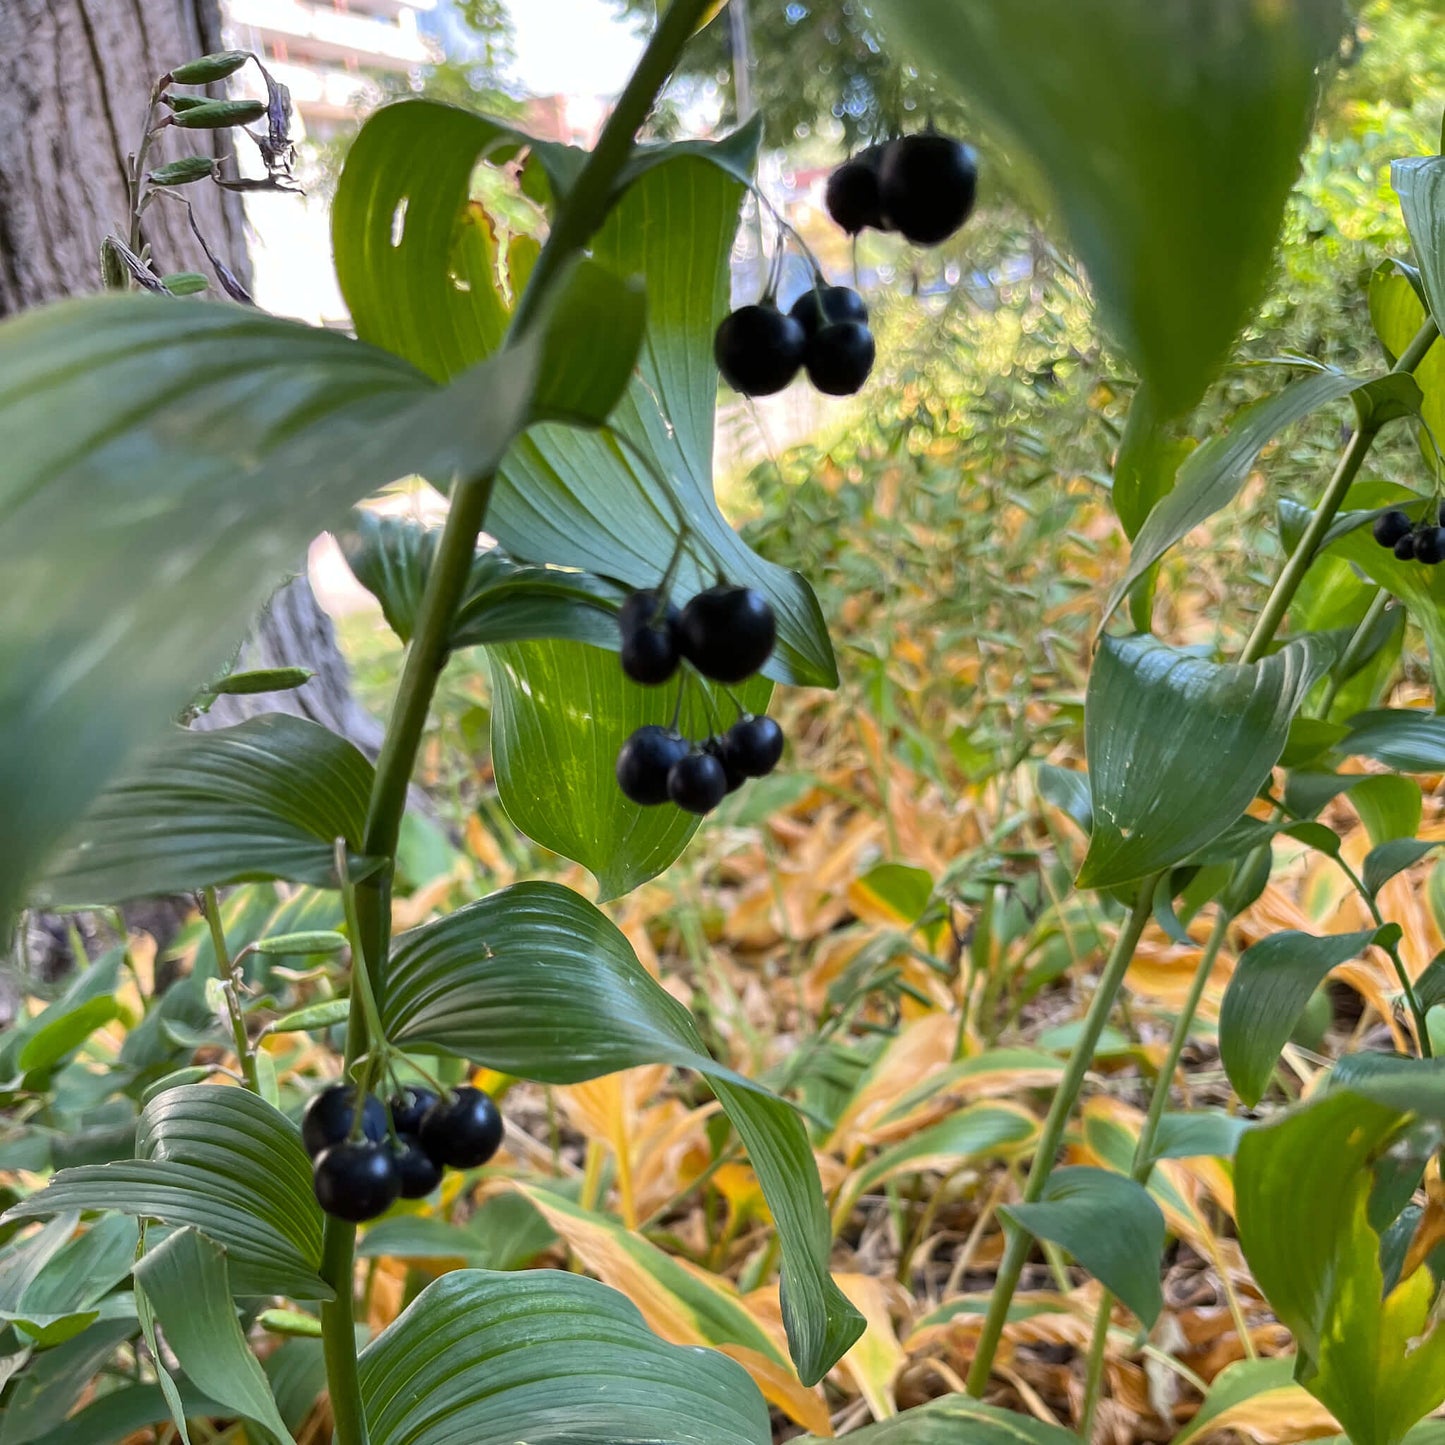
point(727, 633)
point(359, 1173)
point(922, 186)
point(759, 349)
point(1422, 541)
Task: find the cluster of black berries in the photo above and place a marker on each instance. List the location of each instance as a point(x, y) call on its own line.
point(922, 186)
point(727, 633)
point(760, 349)
point(1411, 541)
point(358, 1178)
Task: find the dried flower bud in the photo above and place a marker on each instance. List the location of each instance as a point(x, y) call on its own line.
point(182, 172)
point(218, 114)
point(184, 283)
point(210, 67)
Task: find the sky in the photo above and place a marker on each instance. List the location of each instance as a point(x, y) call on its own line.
point(571, 47)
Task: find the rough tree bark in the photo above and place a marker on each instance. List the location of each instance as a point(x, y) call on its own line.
point(74, 79)
point(75, 76)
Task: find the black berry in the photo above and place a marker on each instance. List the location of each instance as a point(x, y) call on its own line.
point(463, 1130)
point(1405, 547)
point(356, 1181)
point(409, 1107)
point(697, 784)
point(733, 775)
point(758, 349)
point(927, 185)
point(727, 633)
point(328, 1117)
point(852, 194)
point(840, 357)
point(755, 745)
point(1430, 545)
point(418, 1172)
point(824, 305)
point(649, 647)
point(645, 761)
point(1390, 527)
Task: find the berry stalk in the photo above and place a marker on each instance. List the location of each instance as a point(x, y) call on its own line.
point(579, 217)
point(1270, 618)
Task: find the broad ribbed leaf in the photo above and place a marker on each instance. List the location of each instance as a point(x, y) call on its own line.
point(1109, 1224)
point(1420, 184)
point(561, 712)
point(1421, 589)
point(566, 497)
point(1408, 739)
point(115, 1418)
point(166, 463)
point(224, 1162)
point(1397, 312)
point(49, 1387)
point(1210, 477)
point(956, 1418)
point(552, 1359)
point(1168, 133)
point(188, 1286)
point(1178, 747)
point(265, 799)
point(504, 601)
point(1237, 1385)
point(535, 981)
point(681, 1302)
point(1302, 1188)
point(1268, 991)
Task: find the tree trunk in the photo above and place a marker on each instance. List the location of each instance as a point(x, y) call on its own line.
point(75, 77)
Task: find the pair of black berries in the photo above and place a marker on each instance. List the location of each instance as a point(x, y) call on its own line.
point(358, 1178)
point(658, 765)
point(1411, 542)
point(760, 349)
point(921, 186)
point(727, 633)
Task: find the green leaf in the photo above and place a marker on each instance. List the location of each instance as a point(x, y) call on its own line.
point(504, 601)
point(505, 1233)
point(1109, 1224)
point(983, 1130)
point(98, 982)
point(537, 982)
point(221, 1161)
point(48, 1388)
point(188, 1285)
point(1421, 589)
point(264, 799)
point(1068, 790)
point(1168, 135)
point(1385, 861)
point(1267, 994)
point(1390, 807)
point(1178, 747)
point(1211, 475)
point(115, 1418)
point(1302, 1188)
point(567, 497)
point(213, 442)
point(1420, 184)
point(955, 1418)
point(1206, 1134)
point(482, 1358)
point(1234, 1385)
point(582, 499)
point(64, 1034)
point(1397, 311)
point(560, 714)
point(69, 1291)
point(1408, 739)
